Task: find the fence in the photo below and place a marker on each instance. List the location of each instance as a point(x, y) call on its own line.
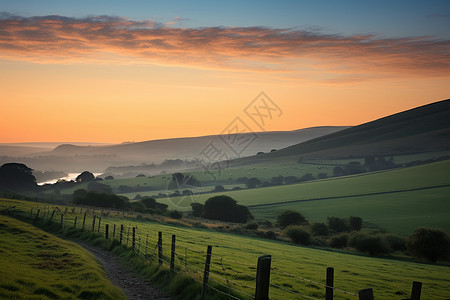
point(215, 273)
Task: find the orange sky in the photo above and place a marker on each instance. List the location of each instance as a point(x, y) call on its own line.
point(120, 80)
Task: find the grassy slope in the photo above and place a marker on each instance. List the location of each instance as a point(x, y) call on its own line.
point(37, 265)
point(413, 208)
point(239, 256)
point(422, 129)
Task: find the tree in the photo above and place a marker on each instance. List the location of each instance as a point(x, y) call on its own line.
point(175, 214)
point(225, 208)
point(149, 202)
point(219, 188)
point(110, 177)
point(356, 223)
point(429, 243)
point(337, 224)
point(319, 229)
point(17, 177)
point(290, 217)
point(253, 182)
point(197, 209)
point(86, 176)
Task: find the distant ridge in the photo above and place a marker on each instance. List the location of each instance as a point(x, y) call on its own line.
point(96, 158)
point(422, 129)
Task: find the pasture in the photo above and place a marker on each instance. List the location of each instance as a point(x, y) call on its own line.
point(295, 268)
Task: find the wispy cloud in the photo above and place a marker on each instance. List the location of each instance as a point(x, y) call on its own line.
point(259, 49)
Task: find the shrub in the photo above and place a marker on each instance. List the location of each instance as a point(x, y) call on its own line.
point(225, 208)
point(298, 235)
point(271, 235)
point(368, 243)
point(339, 241)
point(429, 243)
point(356, 223)
point(396, 242)
point(319, 229)
point(219, 188)
point(197, 209)
point(337, 224)
point(265, 223)
point(290, 217)
point(251, 226)
point(175, 214)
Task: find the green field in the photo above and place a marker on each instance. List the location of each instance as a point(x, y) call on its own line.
point(235, 257)
point(37, 265)
point(401, 199)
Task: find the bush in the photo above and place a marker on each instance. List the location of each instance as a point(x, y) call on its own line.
point(368, 243)
point(356, 223)
point(396, 242)
point(224, 208)
point(251, 226)
point(253, 183)
point(197, 209)
point(337, 224)
point(175, 214)
point(219, 188)
point(298, 235)
point(290, 217)
point(339, 241)
point(319, 229)
point(265, 223)
point(429, 243)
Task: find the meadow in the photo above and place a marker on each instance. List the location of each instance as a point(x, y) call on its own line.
point(299, 270)
point(398, 200)
point(37, 265)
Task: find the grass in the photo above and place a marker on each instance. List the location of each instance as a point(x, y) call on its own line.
point(38, 265)
point(234, 258)
point(399, 212)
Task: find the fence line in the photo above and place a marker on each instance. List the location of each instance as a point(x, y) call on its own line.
point(219, 274)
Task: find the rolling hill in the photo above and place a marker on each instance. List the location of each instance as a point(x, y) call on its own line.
point(73, 158)
point(422, 129)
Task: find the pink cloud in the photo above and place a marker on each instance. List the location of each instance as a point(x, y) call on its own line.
point(61, 39)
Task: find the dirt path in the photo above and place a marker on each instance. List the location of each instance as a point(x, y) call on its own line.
point(134, 286)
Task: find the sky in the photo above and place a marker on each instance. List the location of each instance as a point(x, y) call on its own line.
point(116, 71)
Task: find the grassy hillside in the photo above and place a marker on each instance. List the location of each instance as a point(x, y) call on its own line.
point(234, 258)
point(413, 196)
point(425, 128)
point(37, 265)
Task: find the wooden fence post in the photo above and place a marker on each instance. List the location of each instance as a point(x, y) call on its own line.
point(172, 255)
point(84, 220)
point(263, 277)
point(329, 288)
point(146, 245)
point(366, 294)
point(114, 231)
point(206, 273)
point(133, 239)
point(62, 220)
point(37, 215)
point(99, 221)
point(93, 225)
point(106, 231)
point(121, 234)
point(75, 222)
point(160, 250)
point(51, 218)
point(416, 290)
